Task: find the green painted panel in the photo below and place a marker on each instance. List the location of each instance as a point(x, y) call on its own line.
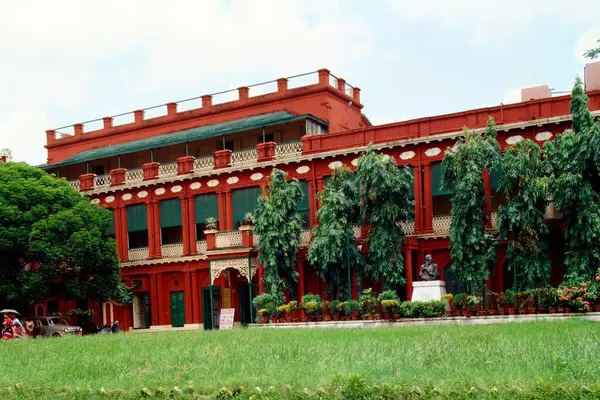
point(494, 179)
point(137, 218)
point(170, 213)
point(111, 227)
point(177, 309)
point(303, 205)
point(244, 201)
point(436, 180)
point(207, 205)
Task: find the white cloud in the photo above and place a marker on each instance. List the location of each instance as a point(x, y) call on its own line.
point(496, 22)
point(57, 56)
point(586, 41)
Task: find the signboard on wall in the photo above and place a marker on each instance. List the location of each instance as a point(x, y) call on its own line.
point(226, 298)
point(226, 318)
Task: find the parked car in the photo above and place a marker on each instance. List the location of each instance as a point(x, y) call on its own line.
point(53, 327)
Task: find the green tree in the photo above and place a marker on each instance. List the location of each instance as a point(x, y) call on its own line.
point(279, 226)
point(384, 202)
point(46, 224)
point(523, 183)
point(333, 244)
point(472, 251)
point(592, 53)
point(573, 162)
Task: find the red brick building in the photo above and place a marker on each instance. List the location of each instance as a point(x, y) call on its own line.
point(163, 176)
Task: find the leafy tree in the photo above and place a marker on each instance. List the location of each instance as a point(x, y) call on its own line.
point(592, 53)
point(52, 240)
point(523, 184)
point(574, 184)
point(384, 201)
point(471, 250)
point(334, 243)
point(279, 226)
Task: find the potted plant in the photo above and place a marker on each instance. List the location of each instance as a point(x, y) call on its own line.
point(311, 310)
point(472, 303)
point(333, 310)
point(509, 302)
point(293, 310)
point(248, 219)
point(449, 299)
point(283, 312)
point(352, 309)
point(492, 303)
point(325, 310)
point(368, 304)
point(263, 313)
point(460, 304)
point(500, 300)
point(211, 224)
point(388, 307)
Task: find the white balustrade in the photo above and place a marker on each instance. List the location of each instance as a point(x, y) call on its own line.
point(305, 238)
point(244, 157)
point(408, 227)
point(288, 150)
point(102, 181)
point(134, 175)
point(172, 250)
point(138, 254)
point(201, 246)
point(442, 224)
point(494, 220)
point(225, 240)
point(165, 170)
point(203, 163)
point(75, 184)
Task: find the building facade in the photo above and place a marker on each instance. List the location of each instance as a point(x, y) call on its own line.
point(163, 176)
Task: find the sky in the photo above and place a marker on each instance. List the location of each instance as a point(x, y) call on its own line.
point(63, 62)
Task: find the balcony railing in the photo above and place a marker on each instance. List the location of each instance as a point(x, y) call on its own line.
point(204, 163)
point(101, 181)
point(225, 240)
point(172, 250)
point(134, 175)
point(288, 150)
point(75, 184)
point(305, 238)
point(441, 224)
point(166, 170)
point(138, 254)
point(201, 246)
point(244, 157)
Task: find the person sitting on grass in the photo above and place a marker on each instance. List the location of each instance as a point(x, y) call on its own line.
point(18, 329)
point(7, 331)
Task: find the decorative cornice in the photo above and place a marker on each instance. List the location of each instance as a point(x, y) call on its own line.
point(142, 263)
point(333, 153)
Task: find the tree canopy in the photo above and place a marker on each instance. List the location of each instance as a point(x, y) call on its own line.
point(472, 251)
point(573, 163)
point(385, 201)
point(334, 243)
point(593, 53)
point(279, 225)
point(523, 183)
point(52, 240)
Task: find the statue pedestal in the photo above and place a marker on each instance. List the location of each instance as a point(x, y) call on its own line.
point(428, 290)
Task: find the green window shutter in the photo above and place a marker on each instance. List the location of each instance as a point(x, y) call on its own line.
point(111, 227)
point(436, 180)
point(244, 201)
point(494, 179)
point(207, 206)
point(170, 213)
point(137, 219)
point(303, 205)
point(412, 183)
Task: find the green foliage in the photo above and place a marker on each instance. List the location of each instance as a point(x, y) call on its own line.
point(368, 303)
point(592, 53)
point(573, 165)
point(311, 297)
point(211, 224)
point(334, 244)
point(390, 305)
point(351, 307)
point(267, 302)
point(385, 201)
point(43, 220)
point(523, 184)
point(422, 309)
point(387, 295)
point(472, 251)
point(279, 227)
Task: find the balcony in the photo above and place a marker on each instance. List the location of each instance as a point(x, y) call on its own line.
point(138, 254)
point(229, 239)
point(172, 250)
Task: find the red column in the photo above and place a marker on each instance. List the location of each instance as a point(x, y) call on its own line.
point(196, 303)
point(121, 233)
point(222, 222)
point(185, 227)
point(151, 241)
point(229, 213)
point(300, 268)
point(418, 198)
point(312, 203)
point(156, 228)
point(487, 187)
point(261, 284)
point(160, 306)
point(409, 272)
point(188, 298)
point(192, 224)
point(319, 189)
point(427, 199)
point(154, 299)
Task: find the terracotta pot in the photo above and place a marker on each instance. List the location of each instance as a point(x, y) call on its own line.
point(567, 310)
point(552, 310)
point(336, 317)
point(510, 311)
point(289, 319)
point(396, 316)
point(500, 311)
point(596, 307)
point(370, 317)
point(317, 318)
point(439, 315)
point(273, 320)
point(355, 317)
point(262, 319)
point(522, 311)
point(530, 310)
point(542, 310)
point(387, 315)
point(377, 316)
point(560, 310)
point(465, 313)
point(482, 313)
point(492, 312)
point(327, 317)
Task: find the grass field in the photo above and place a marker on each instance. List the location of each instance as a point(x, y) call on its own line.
point(439, 359)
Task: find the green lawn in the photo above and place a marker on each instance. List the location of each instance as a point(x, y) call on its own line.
point(438, 359)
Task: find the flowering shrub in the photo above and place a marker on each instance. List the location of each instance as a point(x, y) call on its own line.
point(390, 305)
point(579, 296)
point(311, 307)
point(368, 303)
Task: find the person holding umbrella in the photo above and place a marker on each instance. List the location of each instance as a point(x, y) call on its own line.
point(18, 331)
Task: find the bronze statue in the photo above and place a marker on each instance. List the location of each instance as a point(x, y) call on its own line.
point(429, 271)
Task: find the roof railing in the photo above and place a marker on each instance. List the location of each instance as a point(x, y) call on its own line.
point(282, 85)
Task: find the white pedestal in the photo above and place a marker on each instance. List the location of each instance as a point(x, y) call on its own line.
point(428, 290)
